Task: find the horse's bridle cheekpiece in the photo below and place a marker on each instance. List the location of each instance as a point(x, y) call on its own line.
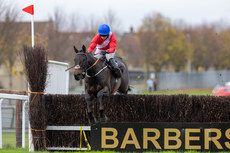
point(85, 69)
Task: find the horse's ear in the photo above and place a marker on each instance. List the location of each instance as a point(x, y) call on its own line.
point(84, 48)
point(75, 49)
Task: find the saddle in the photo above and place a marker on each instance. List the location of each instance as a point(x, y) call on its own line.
point(119, 67)
point(108, 64)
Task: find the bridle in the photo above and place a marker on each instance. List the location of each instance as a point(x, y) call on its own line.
point(84, 68)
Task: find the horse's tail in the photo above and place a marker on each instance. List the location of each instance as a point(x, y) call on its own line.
point(126, 92)
point(129, 88)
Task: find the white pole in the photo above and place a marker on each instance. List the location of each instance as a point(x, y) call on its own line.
point(31, 146)
point(1, 100)
point(23, 123)
point(67, 82)
point(32, 29)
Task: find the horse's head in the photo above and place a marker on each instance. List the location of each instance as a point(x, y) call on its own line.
point(80, 63)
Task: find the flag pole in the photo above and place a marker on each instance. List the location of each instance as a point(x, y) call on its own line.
point(31, 146)
point(30, 10)
point(32, 29)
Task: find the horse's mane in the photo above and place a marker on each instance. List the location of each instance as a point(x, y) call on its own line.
point(119, 57)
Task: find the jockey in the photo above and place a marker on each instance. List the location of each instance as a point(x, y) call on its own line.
point(105, 42)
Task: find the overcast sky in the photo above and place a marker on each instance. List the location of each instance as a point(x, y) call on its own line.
point(131, 12)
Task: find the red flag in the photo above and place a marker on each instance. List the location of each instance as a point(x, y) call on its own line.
point(29, 9)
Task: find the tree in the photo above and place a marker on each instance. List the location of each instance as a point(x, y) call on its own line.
point(224, 55)
point(57, 40)
point(59, 19)
point(130, 46)
point(163, 44)
point(177, 48)
point(113, 21)
point(8, 39)
point(75, 22)
point(2, 11)
point(151, 37)
point(92, 24)
point(206, 46)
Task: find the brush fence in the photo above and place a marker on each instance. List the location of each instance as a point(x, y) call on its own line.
point(71, 110)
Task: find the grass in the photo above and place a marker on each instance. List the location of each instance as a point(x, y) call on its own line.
point(9, 140)
point(181, 91)
point(9, 146)
point(20, 150)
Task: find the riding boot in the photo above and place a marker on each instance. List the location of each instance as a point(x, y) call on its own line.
point(103, 117)
point(92, 119)
point(115, 68)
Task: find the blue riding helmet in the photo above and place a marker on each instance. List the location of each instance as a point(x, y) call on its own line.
point(104, 29)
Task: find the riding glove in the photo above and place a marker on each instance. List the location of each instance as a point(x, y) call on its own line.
point(103, 52)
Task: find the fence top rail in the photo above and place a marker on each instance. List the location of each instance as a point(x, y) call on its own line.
point(58, 63)
point(68, 128)
point(65, 148)
point(13, 96)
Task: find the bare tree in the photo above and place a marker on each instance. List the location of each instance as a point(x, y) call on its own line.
point(75, 22)
point(112, 20)
point(59, 19)
point(2, 6)
point(92, 24)
point(57, 39)
point(1, 29)
point(8, 38)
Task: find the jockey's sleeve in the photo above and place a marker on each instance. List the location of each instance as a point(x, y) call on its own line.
point(112, 44)
point(93, 44)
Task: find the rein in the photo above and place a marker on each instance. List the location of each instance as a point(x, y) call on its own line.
point(85, 70)
point(94, 63)
point(93, 66)
point(96, 73)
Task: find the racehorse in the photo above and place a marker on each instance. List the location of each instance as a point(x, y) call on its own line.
point(99, 79)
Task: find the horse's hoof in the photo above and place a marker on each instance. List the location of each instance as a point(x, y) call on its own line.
point(103, 117)
point(92, 119)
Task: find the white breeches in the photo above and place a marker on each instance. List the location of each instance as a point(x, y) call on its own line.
point(108, 56)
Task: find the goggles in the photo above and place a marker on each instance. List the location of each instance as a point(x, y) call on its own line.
point(103, 35)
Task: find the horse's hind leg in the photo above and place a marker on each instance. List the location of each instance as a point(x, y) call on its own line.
point(92, 119)
point(100, 94)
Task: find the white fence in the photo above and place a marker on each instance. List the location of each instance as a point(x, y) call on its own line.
point(24, 99)
point(68, 128)
point(58, 78)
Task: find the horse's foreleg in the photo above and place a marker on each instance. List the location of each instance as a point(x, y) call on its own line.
point(88, 100)
point(100, 94)
point(89, 107)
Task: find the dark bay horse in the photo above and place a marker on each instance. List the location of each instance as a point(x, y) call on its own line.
point(99, 79)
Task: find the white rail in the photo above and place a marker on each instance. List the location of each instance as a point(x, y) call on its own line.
point(13, 97)
point(67, 128)
point(65, 149)
point(1, 100)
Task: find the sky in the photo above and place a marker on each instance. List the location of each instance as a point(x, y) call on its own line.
point(132, 12)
